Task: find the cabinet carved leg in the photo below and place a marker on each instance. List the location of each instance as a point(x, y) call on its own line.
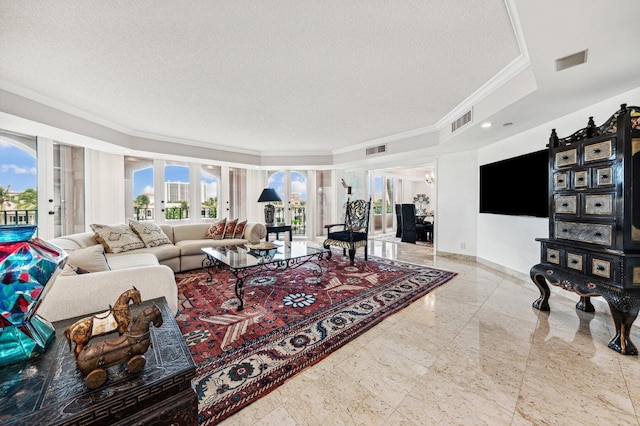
point(624, 304)
point(585, 305)
point(539, 279)
point(621, 342)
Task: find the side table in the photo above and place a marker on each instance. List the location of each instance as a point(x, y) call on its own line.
point(49, 389)
point(277, 229)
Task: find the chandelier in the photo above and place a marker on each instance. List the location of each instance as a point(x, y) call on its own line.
point(430, 178)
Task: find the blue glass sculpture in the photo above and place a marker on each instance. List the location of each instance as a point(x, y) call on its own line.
point(28, 267)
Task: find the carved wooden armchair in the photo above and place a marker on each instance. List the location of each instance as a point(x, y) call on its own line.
point(355, 229)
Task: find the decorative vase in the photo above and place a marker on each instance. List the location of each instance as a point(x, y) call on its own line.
point(28, 267)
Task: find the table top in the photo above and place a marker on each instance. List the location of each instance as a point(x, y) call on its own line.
point(49, 389)
point(280, 227)
point(244, 256)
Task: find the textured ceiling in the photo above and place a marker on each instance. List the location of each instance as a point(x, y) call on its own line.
point(268, 77)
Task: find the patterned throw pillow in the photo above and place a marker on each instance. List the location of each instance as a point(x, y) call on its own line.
point(117, 238)
point(216, 230)
point(240, 229)
point(150, 233)
point(230, 229)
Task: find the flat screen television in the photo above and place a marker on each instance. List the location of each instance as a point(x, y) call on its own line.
point(516, 186)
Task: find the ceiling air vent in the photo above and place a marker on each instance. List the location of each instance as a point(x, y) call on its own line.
point(377, 150)
point(464, 119)
point(571, 60)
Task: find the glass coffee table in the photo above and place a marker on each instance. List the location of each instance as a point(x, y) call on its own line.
point(247, 260)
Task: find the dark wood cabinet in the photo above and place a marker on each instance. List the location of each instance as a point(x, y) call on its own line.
point(593, 248)
point(49, 389)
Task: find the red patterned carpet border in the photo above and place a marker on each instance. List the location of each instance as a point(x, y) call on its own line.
point(290, 321)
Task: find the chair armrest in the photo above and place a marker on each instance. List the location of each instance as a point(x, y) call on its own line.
point(332, 225)
point(328, 227)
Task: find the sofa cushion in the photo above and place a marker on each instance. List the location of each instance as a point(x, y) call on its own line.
point(163, 252)
point(168, 231)
point(254, 232)
point(230, 229)
point(240, 229)
point(150, 233)
point(88, 259)
point(189, 231)
point(75, 241)
point(132, 260)
point(191, 247)
point(117, 238)
point(216, 229)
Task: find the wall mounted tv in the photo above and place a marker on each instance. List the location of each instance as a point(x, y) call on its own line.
point(516, 186)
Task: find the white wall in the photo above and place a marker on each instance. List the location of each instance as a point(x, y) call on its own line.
point(457, 200)
point(510, 240)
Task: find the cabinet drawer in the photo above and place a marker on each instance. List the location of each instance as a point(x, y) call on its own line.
point(601, 268)
point(598, 204)
point(598, 151)
point(604, 176)
point(575, 261)
point(553, 256)
point(566, 204)
point(585, 232)
point(580, 179)
point(560, 180)
point(566, 158)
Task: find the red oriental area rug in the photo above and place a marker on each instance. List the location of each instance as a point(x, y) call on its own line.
point(290, 321)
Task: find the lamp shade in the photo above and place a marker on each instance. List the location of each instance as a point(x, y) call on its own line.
point(269, 194)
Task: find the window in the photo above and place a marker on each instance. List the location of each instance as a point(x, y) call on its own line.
point(209, 194)
point(68, 189)
point(18, 180)
point(292, 189)
point(176, 191)
point(139, 185)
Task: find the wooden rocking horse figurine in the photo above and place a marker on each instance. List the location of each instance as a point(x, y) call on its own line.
point(129, 348)
point(117, 318)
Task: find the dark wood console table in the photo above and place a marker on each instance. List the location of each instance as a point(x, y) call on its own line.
point(49, 389)
point(277, 229)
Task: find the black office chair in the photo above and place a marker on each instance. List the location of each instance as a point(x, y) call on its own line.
point(411, 231)
point(355, 232)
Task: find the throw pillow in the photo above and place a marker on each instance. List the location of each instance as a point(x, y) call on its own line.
point(216, 230)
point(117, 238)
point(150, 233)
point(230, 229)
point(85, 260)
point(240, 229)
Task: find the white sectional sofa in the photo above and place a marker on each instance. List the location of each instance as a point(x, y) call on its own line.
point(149, 269)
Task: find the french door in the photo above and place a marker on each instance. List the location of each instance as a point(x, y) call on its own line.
point(292, 187)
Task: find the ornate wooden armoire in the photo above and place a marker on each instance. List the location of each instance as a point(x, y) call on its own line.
point(593, 247)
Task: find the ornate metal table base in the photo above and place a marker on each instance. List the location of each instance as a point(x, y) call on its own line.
point(212, 264)
point(624, 304)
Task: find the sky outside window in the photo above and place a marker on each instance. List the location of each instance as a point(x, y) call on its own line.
point(17, 168)
point(143, 179)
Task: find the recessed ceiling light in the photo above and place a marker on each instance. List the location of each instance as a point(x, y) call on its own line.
point(486, 125)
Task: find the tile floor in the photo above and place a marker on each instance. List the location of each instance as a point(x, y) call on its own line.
point(471, 352)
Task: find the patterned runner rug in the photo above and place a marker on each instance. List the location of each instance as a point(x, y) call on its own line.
point(291, 320)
